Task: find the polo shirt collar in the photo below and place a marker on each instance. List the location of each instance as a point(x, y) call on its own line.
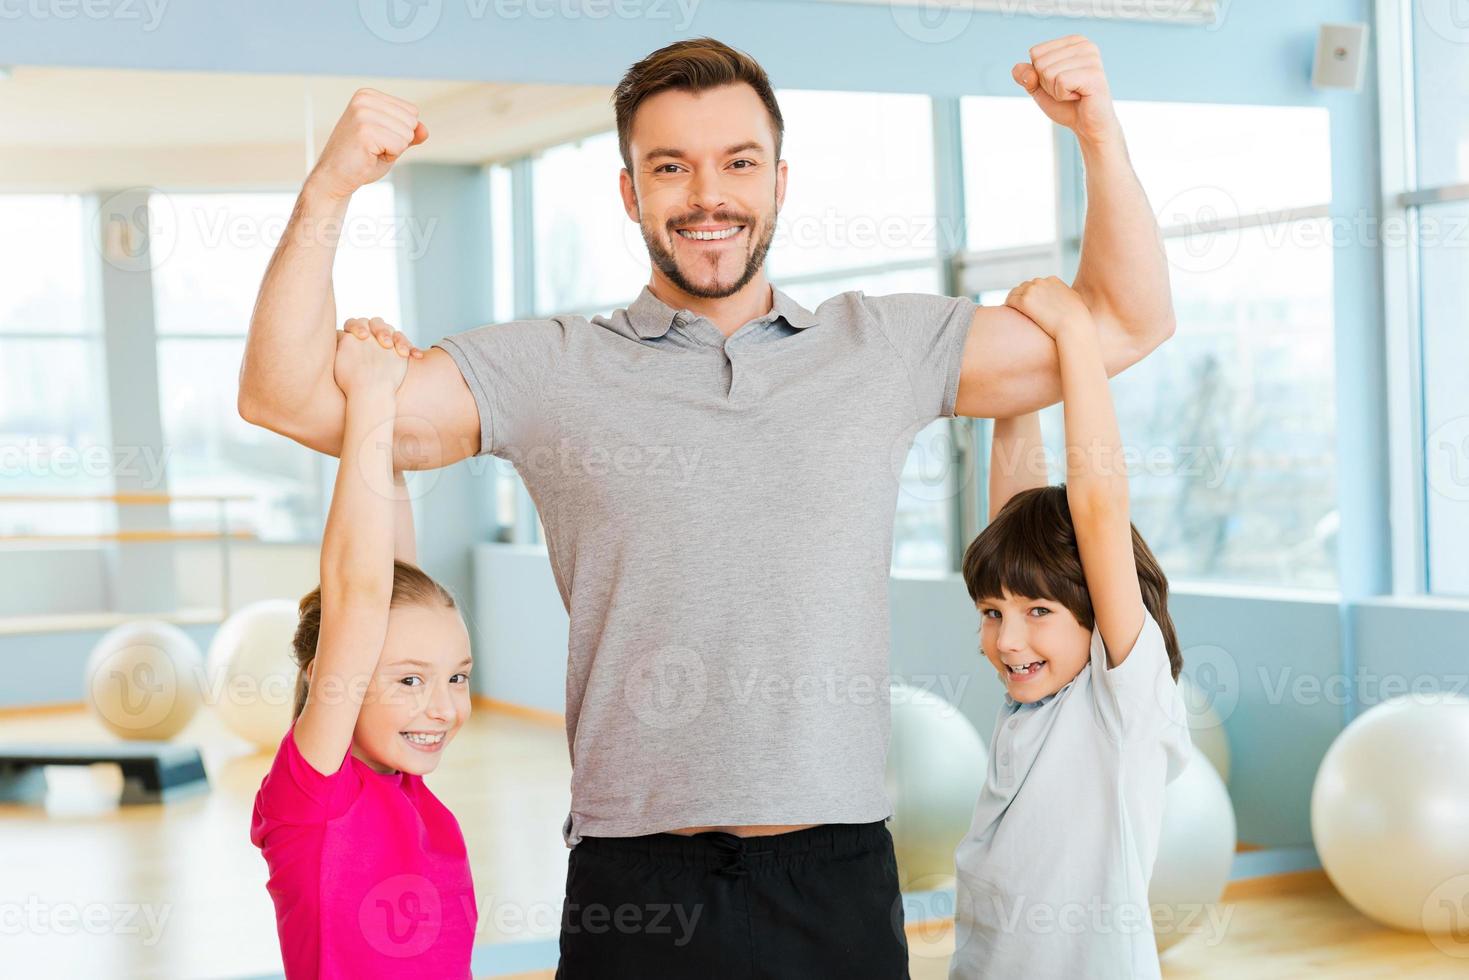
point(1013, 706)
point(651, 317)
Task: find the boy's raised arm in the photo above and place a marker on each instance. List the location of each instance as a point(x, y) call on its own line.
point(1017, 459)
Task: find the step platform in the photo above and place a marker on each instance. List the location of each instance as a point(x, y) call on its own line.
point(152, 772)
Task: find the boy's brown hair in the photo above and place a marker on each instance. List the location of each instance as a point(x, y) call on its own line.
point(1029, 550)
point(691, 65)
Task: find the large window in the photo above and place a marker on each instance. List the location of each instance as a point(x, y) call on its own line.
point(1230, 425)
point(588, 254)
point(860, 213)
point(212, 250)
point(53, 396)
point(859, 191)
point(1009, 156)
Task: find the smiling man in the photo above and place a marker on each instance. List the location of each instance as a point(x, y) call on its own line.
point(727, 698)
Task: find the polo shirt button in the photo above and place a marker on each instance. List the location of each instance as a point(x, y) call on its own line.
point(1014, 722)
point(1005, 759)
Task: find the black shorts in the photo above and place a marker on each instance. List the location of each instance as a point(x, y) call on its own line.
point(821, 902)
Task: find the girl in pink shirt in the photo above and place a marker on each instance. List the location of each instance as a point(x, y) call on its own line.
point(368, 870)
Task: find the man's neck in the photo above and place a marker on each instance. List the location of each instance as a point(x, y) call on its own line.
point(729, 313)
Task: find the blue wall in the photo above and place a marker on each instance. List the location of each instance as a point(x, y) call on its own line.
point(1259, 52)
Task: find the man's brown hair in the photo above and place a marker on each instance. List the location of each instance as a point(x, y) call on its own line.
point(691, 65)
point(1029, 550)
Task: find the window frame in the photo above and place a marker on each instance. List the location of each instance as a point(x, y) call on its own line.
point(1403, 200)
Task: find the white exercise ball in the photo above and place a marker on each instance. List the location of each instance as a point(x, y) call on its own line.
point(144, 680)
point(1205, 727)
point(1195, 852)
point(1390, 812)
point(935, 770)
point(251, 671)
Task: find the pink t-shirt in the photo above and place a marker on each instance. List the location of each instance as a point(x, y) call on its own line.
point(368, 871)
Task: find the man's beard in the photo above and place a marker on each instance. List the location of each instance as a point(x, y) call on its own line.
point(665, 262)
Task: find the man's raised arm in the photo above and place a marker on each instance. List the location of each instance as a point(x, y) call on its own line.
point(1010, 365)
point(286, 382)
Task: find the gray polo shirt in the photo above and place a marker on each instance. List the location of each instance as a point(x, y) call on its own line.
point(719, 518)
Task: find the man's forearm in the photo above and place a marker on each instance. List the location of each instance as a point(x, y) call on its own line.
point(292, 341)
point(1123, 272)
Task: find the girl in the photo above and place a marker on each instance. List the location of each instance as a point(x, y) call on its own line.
point(1052, 878)
point(368, 870)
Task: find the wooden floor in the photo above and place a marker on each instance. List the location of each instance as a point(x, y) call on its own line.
point(88, 889)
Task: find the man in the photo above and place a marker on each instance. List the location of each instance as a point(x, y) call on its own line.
point(715, 470)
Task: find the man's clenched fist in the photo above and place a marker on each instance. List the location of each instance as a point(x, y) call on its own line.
point(1066, 80)
point(373, 132)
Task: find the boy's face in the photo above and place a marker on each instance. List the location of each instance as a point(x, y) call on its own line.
point(1041, 636)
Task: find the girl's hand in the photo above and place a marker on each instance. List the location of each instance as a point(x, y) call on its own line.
point(1054, 306)
point(365, 364)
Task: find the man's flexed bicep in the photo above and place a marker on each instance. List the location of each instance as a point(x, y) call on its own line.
point(437, 422)
point(1010, 366)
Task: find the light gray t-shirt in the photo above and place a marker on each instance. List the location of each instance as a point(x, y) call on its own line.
point(1052, 878)
point(719, 517)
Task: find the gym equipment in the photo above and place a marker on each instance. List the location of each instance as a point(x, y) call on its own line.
point(251, 673)
point(152, 772)
point(1205, 727)
point(144, 680)
point(935, 770)
point(1390, 813)
point(1195, 852)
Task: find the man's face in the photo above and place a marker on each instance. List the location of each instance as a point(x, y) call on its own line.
point(705, 187)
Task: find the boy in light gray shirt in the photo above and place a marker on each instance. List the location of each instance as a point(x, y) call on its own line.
point(1052, 878)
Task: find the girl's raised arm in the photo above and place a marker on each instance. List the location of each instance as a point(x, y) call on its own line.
point(356, 554)
point(1096, 477)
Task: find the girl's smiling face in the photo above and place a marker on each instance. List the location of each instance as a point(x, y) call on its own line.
point(1036, 645)
point(419, 695)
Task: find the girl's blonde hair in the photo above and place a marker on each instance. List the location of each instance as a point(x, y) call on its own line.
point(412, 586)
point(1029, 549)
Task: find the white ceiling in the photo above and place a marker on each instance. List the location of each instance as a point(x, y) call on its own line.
point(84, 128)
